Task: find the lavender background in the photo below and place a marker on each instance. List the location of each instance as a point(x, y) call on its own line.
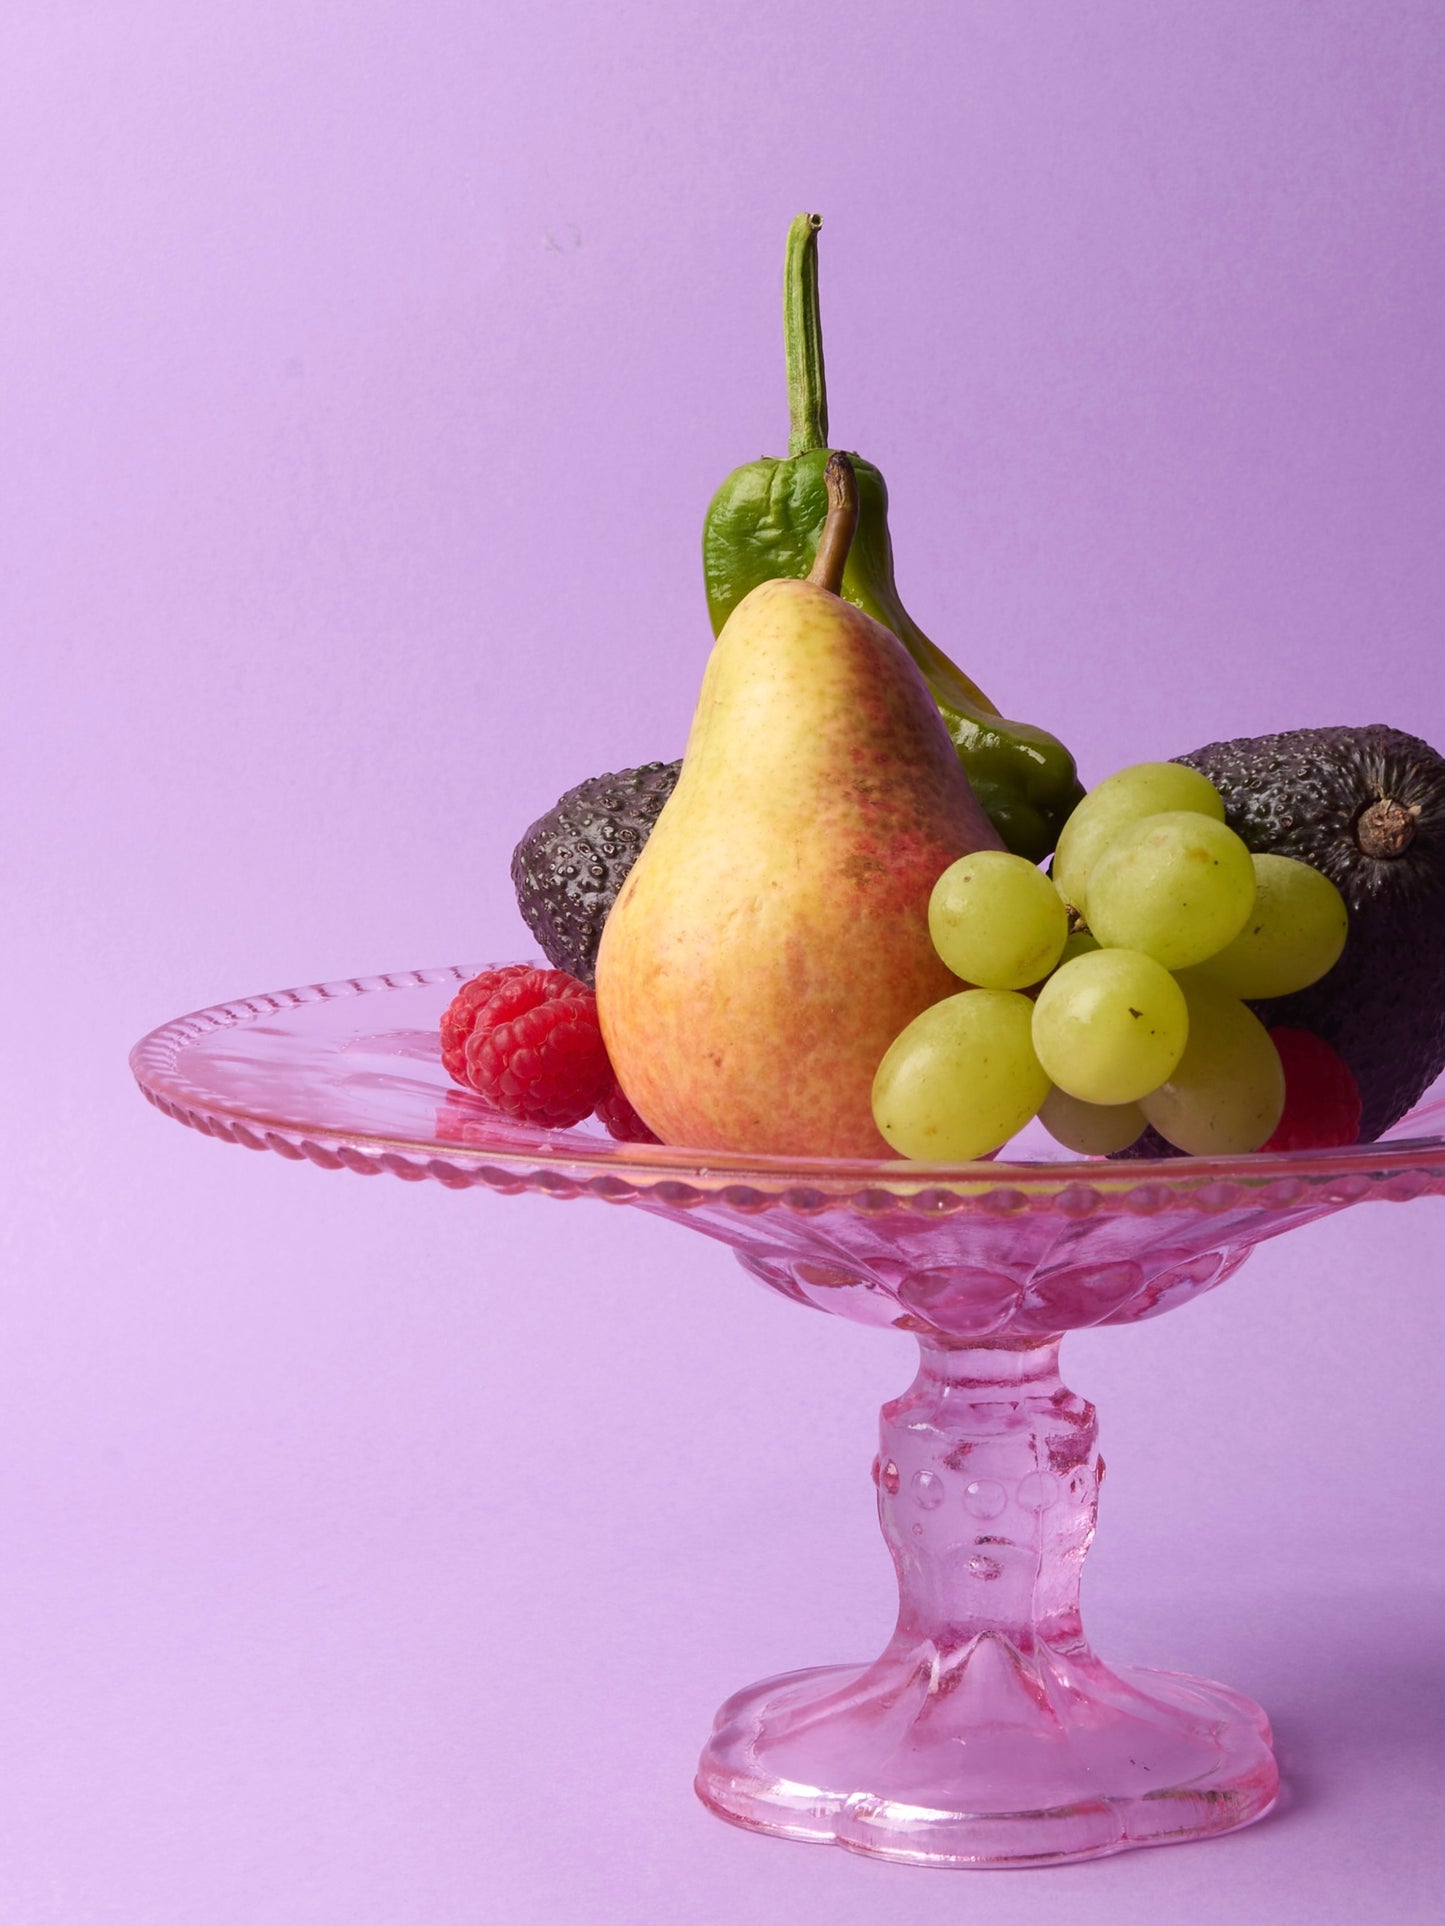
point(379, 1557)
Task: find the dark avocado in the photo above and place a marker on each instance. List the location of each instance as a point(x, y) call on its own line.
point(1150, 1145)
point(1367, 807)
point(571, 863)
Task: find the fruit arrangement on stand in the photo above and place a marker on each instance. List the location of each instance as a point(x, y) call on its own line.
point(866, 917)
point(825, 931)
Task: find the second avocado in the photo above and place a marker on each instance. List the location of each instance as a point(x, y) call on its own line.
point(764, 522)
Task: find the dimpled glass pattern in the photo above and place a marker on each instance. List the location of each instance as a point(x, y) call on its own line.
point(987, 1733)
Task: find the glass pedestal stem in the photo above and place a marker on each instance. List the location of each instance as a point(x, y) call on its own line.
point(988, 1733)
point(987, 1476)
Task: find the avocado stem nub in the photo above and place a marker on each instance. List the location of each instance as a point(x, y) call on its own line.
point(840, 526)
point(1385, 829)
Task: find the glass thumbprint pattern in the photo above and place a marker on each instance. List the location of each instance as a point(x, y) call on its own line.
point(987, 1733)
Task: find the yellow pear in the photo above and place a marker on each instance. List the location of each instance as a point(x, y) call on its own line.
point(772, 938)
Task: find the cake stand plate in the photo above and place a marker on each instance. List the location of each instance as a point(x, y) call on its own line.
point(987, 1733)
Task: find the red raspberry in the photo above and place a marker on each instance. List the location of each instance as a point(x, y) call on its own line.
point(528, 1041)
point(622, 1120)
point(461, 1013)
point(1321, 1097)
point(525, 981)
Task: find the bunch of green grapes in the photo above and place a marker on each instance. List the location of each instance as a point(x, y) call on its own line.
point(1110, 995)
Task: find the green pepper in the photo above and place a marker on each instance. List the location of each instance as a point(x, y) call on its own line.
point(765, 521)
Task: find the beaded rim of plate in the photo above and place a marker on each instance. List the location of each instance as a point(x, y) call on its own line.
point(512, 1157)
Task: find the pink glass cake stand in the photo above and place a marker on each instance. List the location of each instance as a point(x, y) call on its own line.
point(987, 1733)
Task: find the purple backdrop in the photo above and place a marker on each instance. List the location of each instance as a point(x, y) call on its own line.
point(376, 1557)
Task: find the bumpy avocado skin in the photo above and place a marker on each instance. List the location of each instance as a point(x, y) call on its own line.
point(1301, 794)
point(569, 866)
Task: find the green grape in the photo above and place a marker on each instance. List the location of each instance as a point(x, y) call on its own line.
point(1178, 886)
point(1228, 1091)
point(996, 920)
point(1110, 1026)
point(1292, 936)
point(1093, 1129)
point(1144, 789)
point(961, 1079)
point(1079, 943)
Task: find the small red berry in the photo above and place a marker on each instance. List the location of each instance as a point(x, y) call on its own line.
point(1321, 1097)
point(461, 1013)
point(528, 1040)
point(622, 1121)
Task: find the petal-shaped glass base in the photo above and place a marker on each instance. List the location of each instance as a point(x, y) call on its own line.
point(986, 1758)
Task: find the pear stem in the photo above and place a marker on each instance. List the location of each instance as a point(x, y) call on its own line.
point(839, 528)
point(803, 338)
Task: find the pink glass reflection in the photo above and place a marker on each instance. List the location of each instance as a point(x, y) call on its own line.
point(987, 1733)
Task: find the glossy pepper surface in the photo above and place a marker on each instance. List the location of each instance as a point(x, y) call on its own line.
point(765, 521)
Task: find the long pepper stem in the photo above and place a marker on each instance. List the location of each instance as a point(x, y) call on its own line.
point(803, 338)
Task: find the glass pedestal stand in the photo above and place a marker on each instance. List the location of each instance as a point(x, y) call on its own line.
point(987, 1733)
